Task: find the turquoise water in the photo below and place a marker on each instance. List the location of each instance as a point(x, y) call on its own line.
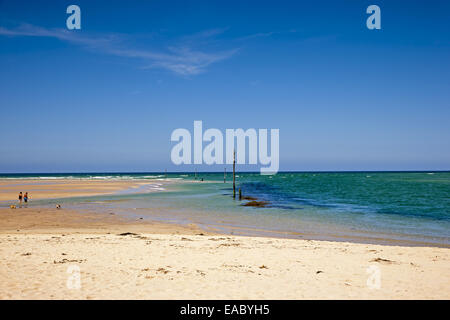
point(399, 207)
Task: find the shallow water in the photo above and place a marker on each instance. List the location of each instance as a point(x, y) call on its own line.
point(392, 207)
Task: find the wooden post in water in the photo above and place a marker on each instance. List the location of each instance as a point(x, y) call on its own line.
point(225, 175)
point(234, 174)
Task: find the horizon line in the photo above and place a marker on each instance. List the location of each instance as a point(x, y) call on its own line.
point(227, 172)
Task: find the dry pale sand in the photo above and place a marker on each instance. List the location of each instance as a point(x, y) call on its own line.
point(51, 189)
point(43, 251)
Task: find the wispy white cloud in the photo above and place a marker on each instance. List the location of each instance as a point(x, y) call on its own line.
point(265, 34)
point(180, 59)
point(61, 34)
point(205, 34)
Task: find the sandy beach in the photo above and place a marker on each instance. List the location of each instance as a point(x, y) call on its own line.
point(53, 189)
point(74, 254)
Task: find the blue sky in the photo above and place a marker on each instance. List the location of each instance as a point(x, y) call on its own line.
point(107, 97)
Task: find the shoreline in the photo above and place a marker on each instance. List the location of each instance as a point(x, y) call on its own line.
point(49, 220)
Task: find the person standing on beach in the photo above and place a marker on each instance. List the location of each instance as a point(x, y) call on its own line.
point(20, 199)
point(25, 198)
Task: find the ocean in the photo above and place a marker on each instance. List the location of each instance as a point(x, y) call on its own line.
point(405, 208)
